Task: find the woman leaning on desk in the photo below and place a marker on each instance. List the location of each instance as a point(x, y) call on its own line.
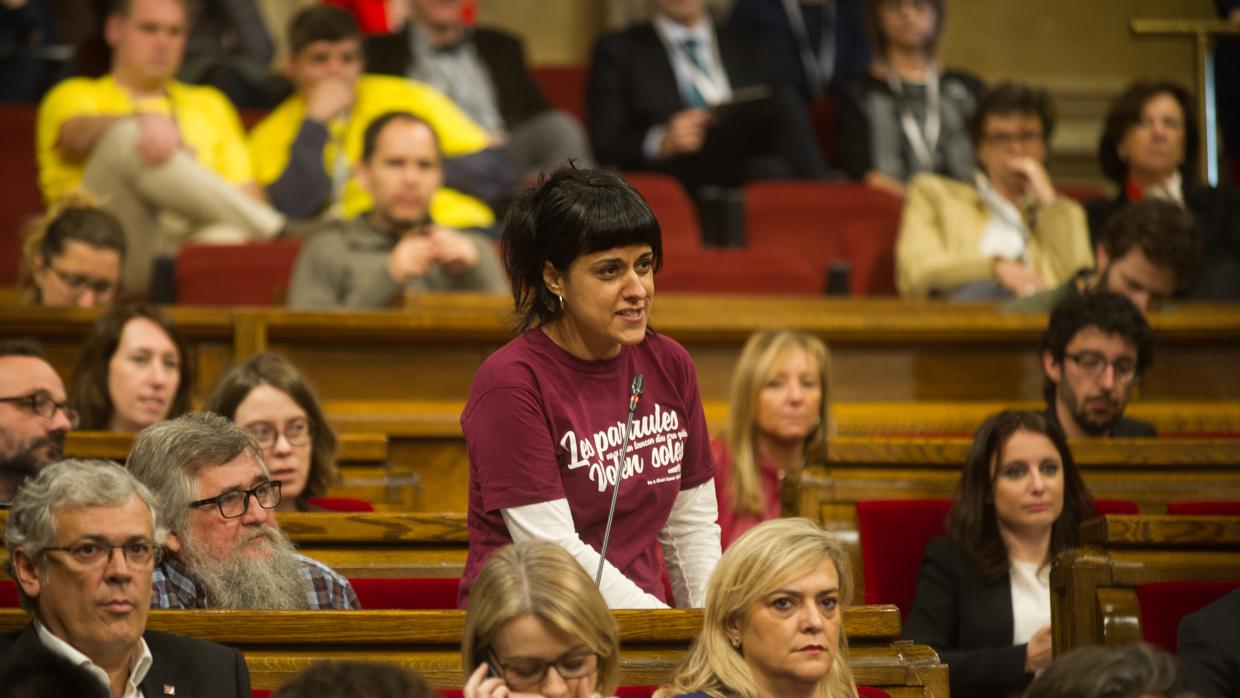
point(546, 414)
point(983, 597)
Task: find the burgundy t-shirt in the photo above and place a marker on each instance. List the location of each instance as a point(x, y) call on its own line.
point(542, 424)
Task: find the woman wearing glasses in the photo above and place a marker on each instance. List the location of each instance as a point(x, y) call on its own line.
point(537, 626)
point(774, 620)
point(74, 256)
point(983, 597)
point(132, 371)
point(268, 396)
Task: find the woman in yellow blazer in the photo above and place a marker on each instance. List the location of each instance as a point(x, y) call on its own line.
point(1006, 234)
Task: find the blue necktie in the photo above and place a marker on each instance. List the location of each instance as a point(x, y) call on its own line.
point(690, 46)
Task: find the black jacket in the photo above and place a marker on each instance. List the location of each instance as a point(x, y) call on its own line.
point(189, 668)
point(1124, 428)
point(968, 621)
point(1209, 648)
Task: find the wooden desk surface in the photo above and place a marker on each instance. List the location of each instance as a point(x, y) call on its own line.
point(883, 349)
point(278, 644)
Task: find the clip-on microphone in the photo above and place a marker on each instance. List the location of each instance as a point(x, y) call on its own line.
point(635, 394)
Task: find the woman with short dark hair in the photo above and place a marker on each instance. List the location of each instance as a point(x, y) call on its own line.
point(545, 423)
point(1149, 149)
point(983, 597)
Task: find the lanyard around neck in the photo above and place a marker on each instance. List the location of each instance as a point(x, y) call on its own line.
point(818, 69)
point(924, 142)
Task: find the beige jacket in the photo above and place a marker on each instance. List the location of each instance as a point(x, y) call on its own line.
point(941, 232)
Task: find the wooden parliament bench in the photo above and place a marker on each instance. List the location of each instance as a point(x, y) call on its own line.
point(1150, 472)
point(426, 436)
point(883, 349)
point(279, 644)
point(366, 471)
point(1093, 588)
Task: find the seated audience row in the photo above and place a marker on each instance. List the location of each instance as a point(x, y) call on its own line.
point(74, 255)
point(773, 620)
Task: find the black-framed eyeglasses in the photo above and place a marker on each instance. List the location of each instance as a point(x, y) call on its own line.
point(1094, 365)
point(297, 433)
point(96, 552)
point(43, 405)
point(235, 503)
point(523, 672)
point(78, 283)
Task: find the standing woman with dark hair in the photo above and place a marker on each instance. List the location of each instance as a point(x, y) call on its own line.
point(74, 255)
point(983, 598)
point(907, 115)
point(545, 420)
point(1149, 149)
point(268, 396)
point(778, 416)
point(132, 371)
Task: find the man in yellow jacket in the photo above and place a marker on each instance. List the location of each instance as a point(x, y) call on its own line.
point(305, 152)
point(147, 145)
point(1008, 233)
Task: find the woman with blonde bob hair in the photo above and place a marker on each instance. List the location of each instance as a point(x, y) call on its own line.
point(778, 417)
point(774, 619)
point(537, 625)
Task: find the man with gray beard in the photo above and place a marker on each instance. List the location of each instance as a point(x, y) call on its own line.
point(34, 415)
point(225, 550)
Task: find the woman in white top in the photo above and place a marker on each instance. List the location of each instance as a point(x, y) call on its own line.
point(983, 597)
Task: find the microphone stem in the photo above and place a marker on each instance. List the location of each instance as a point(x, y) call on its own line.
point(615, 495)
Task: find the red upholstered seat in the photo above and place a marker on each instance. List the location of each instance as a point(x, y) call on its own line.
point(261, 692)
point(1212, 508)
point(738, 271)
point(19, 180)
point(894, 534)
point(341, 504)
point(8, 594)
point(869, 692)
point(826, 221)
point(1164, 604)
point(253, 274)
point(1102, 507)
point(672, 206)
point(564, 86)
point(414, 594)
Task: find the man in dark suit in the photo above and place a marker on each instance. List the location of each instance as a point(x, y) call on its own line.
point(483, 70)
point(1208, 645)
point(681, 95)
point(82, 537)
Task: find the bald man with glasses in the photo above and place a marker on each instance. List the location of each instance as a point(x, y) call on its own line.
point(34, 416)
point(225, 549)
point(83, 537)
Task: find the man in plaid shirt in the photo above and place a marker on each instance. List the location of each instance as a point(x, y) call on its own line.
point(224, 549)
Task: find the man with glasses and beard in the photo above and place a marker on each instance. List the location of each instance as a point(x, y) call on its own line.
point(83, 538)
point(224, 549)
point(1094, 352)
point(34, 416)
